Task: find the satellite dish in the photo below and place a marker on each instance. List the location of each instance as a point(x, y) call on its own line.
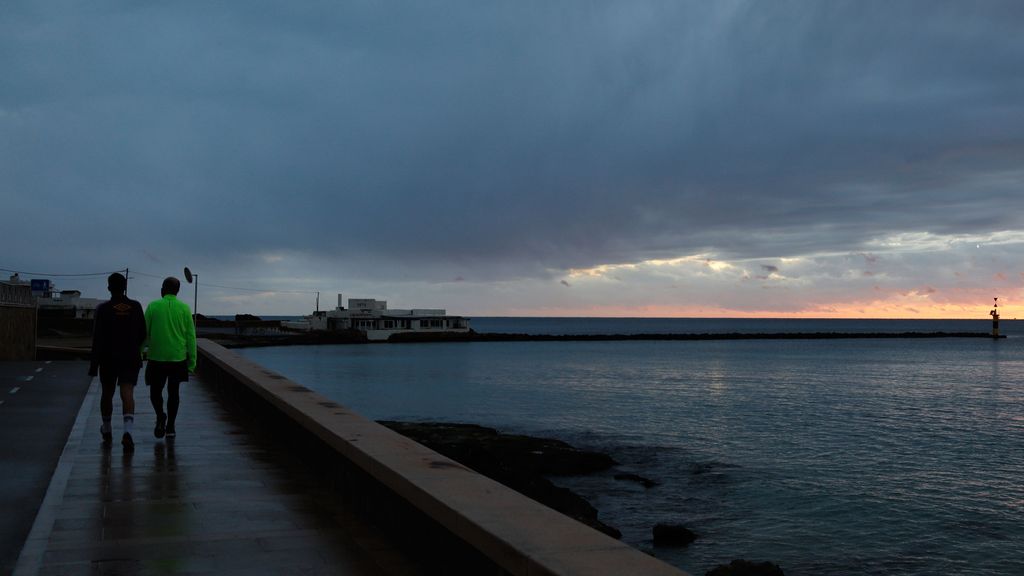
point(188, 275)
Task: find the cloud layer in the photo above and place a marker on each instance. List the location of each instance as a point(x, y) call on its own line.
point(384, 146)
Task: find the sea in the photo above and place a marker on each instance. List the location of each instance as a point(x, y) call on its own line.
point(852, 456)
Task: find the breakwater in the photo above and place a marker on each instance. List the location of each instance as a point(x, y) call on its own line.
point(503, 337)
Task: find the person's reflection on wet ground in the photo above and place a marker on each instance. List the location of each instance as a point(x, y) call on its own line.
point(118, 485)
point(167, 510)
point(164, 481)
point(118, 493)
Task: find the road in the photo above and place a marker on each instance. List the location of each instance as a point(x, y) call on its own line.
point(39, 402)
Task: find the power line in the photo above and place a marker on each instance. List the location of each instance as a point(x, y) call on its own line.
point(64, 275)
point(138, 273)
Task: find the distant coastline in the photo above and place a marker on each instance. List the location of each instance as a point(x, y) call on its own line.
point(325, 338)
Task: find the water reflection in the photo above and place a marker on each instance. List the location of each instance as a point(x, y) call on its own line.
point(872, 445)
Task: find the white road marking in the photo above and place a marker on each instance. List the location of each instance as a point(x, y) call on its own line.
point(15, 390)
point(48, 361)
point(39, 369)
point(26, 378)
point(31, 557)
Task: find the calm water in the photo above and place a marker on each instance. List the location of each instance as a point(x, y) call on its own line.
point(826, 457)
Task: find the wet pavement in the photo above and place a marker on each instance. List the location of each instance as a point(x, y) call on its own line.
point(217, 499)
point(38, 405)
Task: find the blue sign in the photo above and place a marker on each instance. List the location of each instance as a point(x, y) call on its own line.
point(40, 285)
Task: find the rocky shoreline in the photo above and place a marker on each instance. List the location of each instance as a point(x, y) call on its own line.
point(524, 463)
point(520, 462)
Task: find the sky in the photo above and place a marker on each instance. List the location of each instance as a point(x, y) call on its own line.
point(530, 158)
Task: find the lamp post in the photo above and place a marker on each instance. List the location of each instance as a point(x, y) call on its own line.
point(189, 275)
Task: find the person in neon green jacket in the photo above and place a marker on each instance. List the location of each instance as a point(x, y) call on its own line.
point(171, 335)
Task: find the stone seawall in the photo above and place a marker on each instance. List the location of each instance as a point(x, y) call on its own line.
point(452, 519)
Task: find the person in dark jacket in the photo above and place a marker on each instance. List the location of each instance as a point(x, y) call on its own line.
point(119, 331)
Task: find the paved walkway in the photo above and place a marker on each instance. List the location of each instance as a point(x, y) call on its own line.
point(214, 500)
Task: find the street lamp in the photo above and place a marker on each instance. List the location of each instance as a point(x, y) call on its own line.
point(189, 275)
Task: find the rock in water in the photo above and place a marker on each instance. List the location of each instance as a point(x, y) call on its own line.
point(645, 482)
point(746, 568)
point(673, 535)
point(519, 462)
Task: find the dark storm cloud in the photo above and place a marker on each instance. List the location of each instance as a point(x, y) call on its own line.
point(506, 139)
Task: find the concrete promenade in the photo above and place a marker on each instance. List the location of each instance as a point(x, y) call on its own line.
point(218, 499)
point(288, 482)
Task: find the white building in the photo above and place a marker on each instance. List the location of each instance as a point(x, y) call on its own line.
point(379, 322)
point(59, 304)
